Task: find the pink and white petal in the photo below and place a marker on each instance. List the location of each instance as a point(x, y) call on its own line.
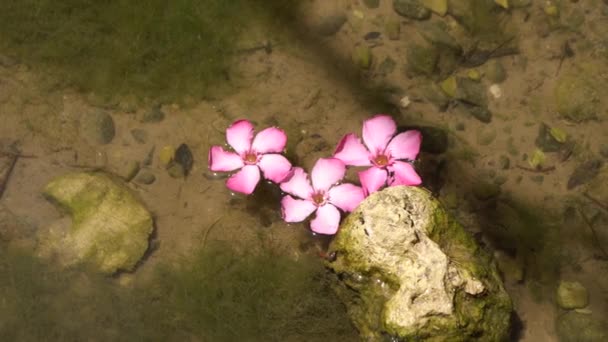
point(295, 210)
point(239, 135)
point(298, 184)
point(404, 174)
point(275, 167)
point(327, 220)
point(372, 179)
point(220, 160)
point(351, 151)
point(327, 172)
point(269, 140)
point(377, 132)
point(346, 196)
point(245, 180)
point(405, 145)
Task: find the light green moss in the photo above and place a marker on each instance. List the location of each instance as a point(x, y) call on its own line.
point(110, 226)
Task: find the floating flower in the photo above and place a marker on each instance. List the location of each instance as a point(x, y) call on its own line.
point(322, 196)
point(252, 155)
point(389, 155)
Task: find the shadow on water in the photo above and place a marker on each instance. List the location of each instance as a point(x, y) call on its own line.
point(216, 294)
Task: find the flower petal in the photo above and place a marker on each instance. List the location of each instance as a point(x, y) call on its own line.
point(270, 140)
point(327, 172)
point(404, 174)
point(295, 210)
point(245, 180)
point(405, 145)
point(351, 151)
point(298, 184)
point(372, 179)
point(220, 160)
point(346, 196)
point(327, 220)
point(377, 132)
point(239, 135)
point(275, 167)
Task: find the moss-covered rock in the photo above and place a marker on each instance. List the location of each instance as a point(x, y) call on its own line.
point(110, 226)
point(575, 98)
point(572, 295)
point(422, 59)
point(411, 9)
point(406, 270)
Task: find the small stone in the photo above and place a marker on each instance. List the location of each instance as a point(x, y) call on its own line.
point(433, 94)
point(130, 170)
point(495, 91)
point(183, 156)
point(392, 28)
point(546, 141)
point(411, 9)
point(140, 135)
point(331, 24)
point(504, 162)
point(166, 155)
point(502, 3)
point(474, 74)
point(482, 114)
point(145, 177)
point(176, 170)
point(438, 6)
point(538, 179)
point(155, 114)
point(362, 56)
point(572, 295)
point(371, 3)
point(97, 127)
point(486, 136)
point(422, 59)
point(495, 72)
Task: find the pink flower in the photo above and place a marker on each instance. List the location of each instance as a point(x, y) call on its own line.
point(252, 155)
point(387, 154)
point(323, 196)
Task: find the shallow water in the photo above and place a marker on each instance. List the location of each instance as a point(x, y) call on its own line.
point(303, 67)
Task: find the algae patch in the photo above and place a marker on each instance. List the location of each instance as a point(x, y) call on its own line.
point(214, 294)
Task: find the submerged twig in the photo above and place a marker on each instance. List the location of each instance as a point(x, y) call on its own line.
point(596, 201)
point(596, 240)
point(208, 231)
point(537, 169)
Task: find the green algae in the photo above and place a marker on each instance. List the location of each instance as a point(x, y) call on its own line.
point(218, 293)
point(155, 49)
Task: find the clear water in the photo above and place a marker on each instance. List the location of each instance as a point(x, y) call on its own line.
point(226, 267)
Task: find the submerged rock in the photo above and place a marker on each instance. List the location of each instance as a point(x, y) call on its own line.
point(572, 295)
point(110, 226)
point(97, 127)
point(576, 99)
point(411, 9)
point(406, 271)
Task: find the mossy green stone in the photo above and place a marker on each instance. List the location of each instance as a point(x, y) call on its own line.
point(110, 226)
point(575, 98)
point(362, 56)
point(572, 295)
point(406, 270)
point(422, 59)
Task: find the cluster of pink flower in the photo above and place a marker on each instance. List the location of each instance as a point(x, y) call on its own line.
point(387, 155)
